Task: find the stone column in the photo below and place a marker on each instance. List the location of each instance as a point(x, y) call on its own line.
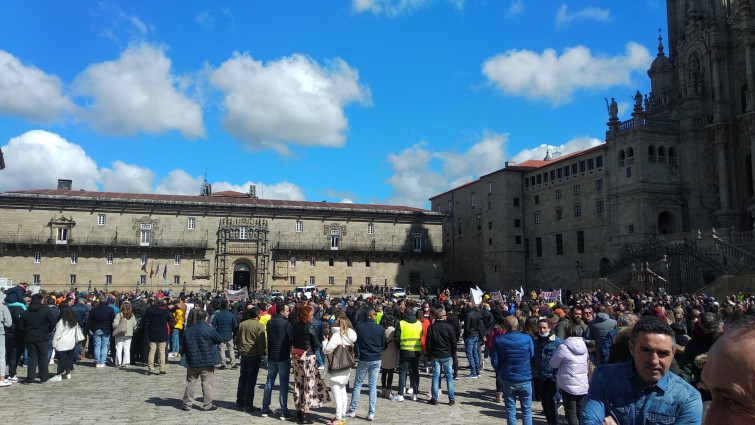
point(750, 76)
point(723, 178)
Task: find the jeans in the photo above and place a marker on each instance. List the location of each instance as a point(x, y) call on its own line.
point(408, 366)
point(363, 367)
point(101, 344)
point(573, 405)
point(174, 341)
point(546, 389)
point(250, 367)
point(273, 370)
point(473, 354)
point(447, 365)
point(522, 390)
point(320, 362)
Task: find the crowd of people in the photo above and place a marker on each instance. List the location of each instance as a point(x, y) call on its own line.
point(606, 358)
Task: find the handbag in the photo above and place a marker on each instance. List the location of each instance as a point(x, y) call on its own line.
point(341, 358)
point(79, 335)
point(120, 330)
point(298, 353)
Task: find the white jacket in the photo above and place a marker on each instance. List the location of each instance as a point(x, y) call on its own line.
point(349, 338)
point(65, 337)
point(571, 360)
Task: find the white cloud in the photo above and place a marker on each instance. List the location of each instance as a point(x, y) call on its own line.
point(417, 177)
point(37, 159)
point(555, 78)
point(292, 100)
point(564, 18)
point(516, 7)
point(137, 93)
point(205, 19)
point(574, 145)
point(393, 8)
point(179, 182)
point(27, 92)
point(281, 191)
point(127, 178)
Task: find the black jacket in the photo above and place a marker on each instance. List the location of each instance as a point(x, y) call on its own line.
point(101, 318)
point(37, 323)
point(304, 337)
point(473, 325)
point(156, 322)
point(453, 320)
point(279, 333)
point(370, 337)
point(441, 340)
point(200, 345)
point(82, 314)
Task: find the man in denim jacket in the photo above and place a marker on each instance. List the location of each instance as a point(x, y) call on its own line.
point(643, 390)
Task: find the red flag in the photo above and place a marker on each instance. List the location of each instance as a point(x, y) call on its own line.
point(151, 272)
point(144, 267)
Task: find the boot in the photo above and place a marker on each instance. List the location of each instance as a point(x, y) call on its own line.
point(299, 416)
point(498, 397)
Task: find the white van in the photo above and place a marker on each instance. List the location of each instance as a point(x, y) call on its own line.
point(308, 291)
point(398, 292)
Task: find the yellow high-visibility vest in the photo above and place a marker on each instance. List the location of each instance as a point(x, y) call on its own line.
point(411, 336)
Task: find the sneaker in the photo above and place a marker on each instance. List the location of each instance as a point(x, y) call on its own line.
point(187, 408)
point(265, 413)
point(452, 402)
point(472, 376)
point(409, 390)
point(286, 416)
point(433, 401)
point(5, 383)
point(397, 397)
point(210, 409)
point(371, 417)
point(320, 367)
point(414, 397)
point(67, 375)
point(13, 378)
point(162, 372)
point(56, 378)
point(351, 414)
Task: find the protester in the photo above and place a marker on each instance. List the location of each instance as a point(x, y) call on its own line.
point(389, 360)
point(279, 333)
point(570, 360)
point(225, 322)
point(341, 333)
point(101, 323)
point(6, 321)
point(157, 321)
point(474, 330)
point(200, 348)
point(309, 391)
point(37, 322)
point(546, 344)
point(123, 341)
point(409, 337)
point(441, 342)
point(511, 355)
point(371, 341)
point(64, 341)
point(252, 345)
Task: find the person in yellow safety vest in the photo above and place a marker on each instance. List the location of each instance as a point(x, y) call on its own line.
point(409, 337)
point(378, 313)
point(264, 318)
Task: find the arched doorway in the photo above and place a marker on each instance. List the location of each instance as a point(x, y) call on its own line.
point(242, 276)
point(665, 223)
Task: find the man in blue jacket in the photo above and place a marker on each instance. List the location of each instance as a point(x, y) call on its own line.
point(226, 323)
point(279, 336)
point(511, 355)
point(200, 347)
point(370, 337)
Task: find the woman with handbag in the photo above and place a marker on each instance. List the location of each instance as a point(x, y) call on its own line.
point(123, 331)
point(310, 391)
point(342, 334)
point(63, 341)
point(390, 357)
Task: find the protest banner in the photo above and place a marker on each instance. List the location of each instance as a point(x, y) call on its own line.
point(237, 295)
point(551, 296)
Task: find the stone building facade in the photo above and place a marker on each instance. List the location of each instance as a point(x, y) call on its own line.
point(681, 163)
point(64, 238)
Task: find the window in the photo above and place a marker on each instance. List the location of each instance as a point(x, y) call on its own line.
point(349, 263)
point(176, 280)
point(146, 235)
point(559, 214)
point(144, 259)
point(518, 239)
point(403, 261)
point(629, 171)
point(517, 222)
point(526, 248)
point(591, 163)
point(416, 242)
point(367, 281)
point(243, 232)
point(367, 262)
point(312, 280)
point(539, 246)
point(558, 193)
point(574, 169)
point(472, 201)
point(292, 280)
point(177, 260)
point(539, 178)
point(37, 257)
point(631, 228)
point(348, 281)
point(299, 226)
point(143, 280)
point(560, 173)
point(459, 226)
point(559, 244)
point(331, 280)
point(312, 262)
point(108, 279)
point(35, 279)
point(599, 161)
point(580, 241)
point(537, 199)
point(490, 188)
point(74, 258)
point(490, 225)
point(293, 262)
point(61, 235)
point(370, 228)
point(598, 184)
point(100, 219)
point(566, 171)
point(479, 221)
point(553, 175)
point(599, 208)
point(490, 205)
point(581, 166)
point(450, 207)
point(72, 279)
point(109, 258)
point(537, 218)
point(191, 223)
point(335, 236)
point(516, 202)
point(330, 262)
point(490, 241)
point(576, 189)
point(577, 210)
point(545, 177)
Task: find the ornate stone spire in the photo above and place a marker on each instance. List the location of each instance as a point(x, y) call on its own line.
point(547, 155)
point(660, 44)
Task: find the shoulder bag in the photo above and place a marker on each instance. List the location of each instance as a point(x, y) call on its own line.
point(341, 358)
point(120, 330)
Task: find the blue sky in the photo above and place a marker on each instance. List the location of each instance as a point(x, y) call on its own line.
point(366, 101)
